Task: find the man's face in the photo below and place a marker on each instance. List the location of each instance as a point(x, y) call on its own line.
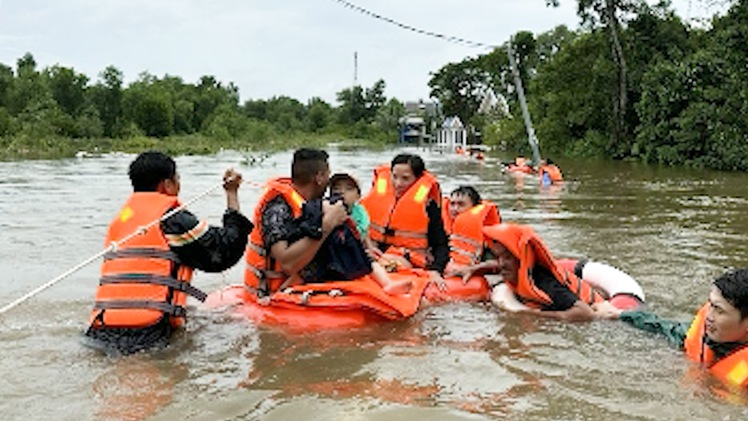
point(348, 190)
point(459, 203)
point(723, 321)
point(508, 263)
point(321, 180)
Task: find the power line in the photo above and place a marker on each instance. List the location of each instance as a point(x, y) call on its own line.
point(448, 38)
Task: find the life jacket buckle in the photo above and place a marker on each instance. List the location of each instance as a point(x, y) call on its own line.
point(335, 293)
point(305, 297)
point(178, 311)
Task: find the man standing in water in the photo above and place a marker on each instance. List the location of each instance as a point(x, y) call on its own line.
point(717, 337)
point(145, 282)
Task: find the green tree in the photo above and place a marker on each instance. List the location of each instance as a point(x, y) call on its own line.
point(68, 88)
point(607, 14)
point(107, 96)
point(7, 80)
point(388, 117)
point(459, 87)
point(211, 94)
point(319, 115)
point(149, 106)
point(352, 106)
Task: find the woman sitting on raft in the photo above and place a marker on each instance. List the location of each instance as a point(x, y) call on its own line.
point(545, 286)
point(406, 223)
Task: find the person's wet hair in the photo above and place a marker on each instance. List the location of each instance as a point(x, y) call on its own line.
point(415, 162)
point(549, 161)
point(468, 191)
point(733, 286)
point(149, 169)
point(306, 164)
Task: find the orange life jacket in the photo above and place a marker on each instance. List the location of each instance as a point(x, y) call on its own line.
point(732, 369)
point(527, 246)
point(142, 280)
point(554, 173)
point(466, 231)
point(261, 272)
point(401, 223)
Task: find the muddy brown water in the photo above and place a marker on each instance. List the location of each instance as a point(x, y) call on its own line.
point(672, 229)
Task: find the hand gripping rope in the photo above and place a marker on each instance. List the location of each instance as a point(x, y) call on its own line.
point(113, 247)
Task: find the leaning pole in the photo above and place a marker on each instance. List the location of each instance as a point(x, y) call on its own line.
point(525, 112)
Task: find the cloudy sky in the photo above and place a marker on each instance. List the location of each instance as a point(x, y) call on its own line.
point(298, 48)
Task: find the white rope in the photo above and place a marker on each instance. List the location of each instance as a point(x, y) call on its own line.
point(112, 247)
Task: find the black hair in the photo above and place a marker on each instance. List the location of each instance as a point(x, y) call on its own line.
point(549, 161)
point(468, 191)
point(306, 164)
point(149, 169)
point(415, 162)
point(733, 285)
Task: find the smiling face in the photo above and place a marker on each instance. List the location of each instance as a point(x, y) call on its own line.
point(508, 263)
point(402, 178)
point(723, 320)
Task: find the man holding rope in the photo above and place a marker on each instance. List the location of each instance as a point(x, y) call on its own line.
point(144, 281)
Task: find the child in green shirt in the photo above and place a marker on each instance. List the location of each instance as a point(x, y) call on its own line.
point(347, 186)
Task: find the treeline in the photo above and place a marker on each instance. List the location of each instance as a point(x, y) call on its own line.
point(57, 111)
point(635, 83)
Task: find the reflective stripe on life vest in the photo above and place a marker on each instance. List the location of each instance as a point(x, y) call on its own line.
point(142, 281)
point(261, 273)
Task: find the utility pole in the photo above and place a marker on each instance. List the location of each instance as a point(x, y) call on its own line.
point(355, 68)
point(525, 112)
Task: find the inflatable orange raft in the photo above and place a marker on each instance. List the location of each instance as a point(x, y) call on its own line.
point(328, 305)
point(475, 289)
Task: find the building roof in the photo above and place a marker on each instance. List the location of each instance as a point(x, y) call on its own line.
point(416, 107)
point(452, 122)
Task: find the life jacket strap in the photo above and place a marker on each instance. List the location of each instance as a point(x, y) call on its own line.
point(257, 249)
point(169, 309)
point(471, 241)
point(144, 252)
point(146, 278)
point(389, 232)
point(263, 287)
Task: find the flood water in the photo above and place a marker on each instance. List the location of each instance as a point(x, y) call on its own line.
point(674, 230)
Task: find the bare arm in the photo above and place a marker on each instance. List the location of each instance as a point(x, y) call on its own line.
point(579, 312)
point(292, 258)
point(231, 182)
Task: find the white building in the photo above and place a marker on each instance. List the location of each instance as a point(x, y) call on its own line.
point(451, 135)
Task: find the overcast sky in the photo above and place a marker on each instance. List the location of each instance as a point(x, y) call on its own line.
point(297, 48)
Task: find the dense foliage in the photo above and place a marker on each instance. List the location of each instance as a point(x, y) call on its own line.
point(57, 111)
point(685, 99)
